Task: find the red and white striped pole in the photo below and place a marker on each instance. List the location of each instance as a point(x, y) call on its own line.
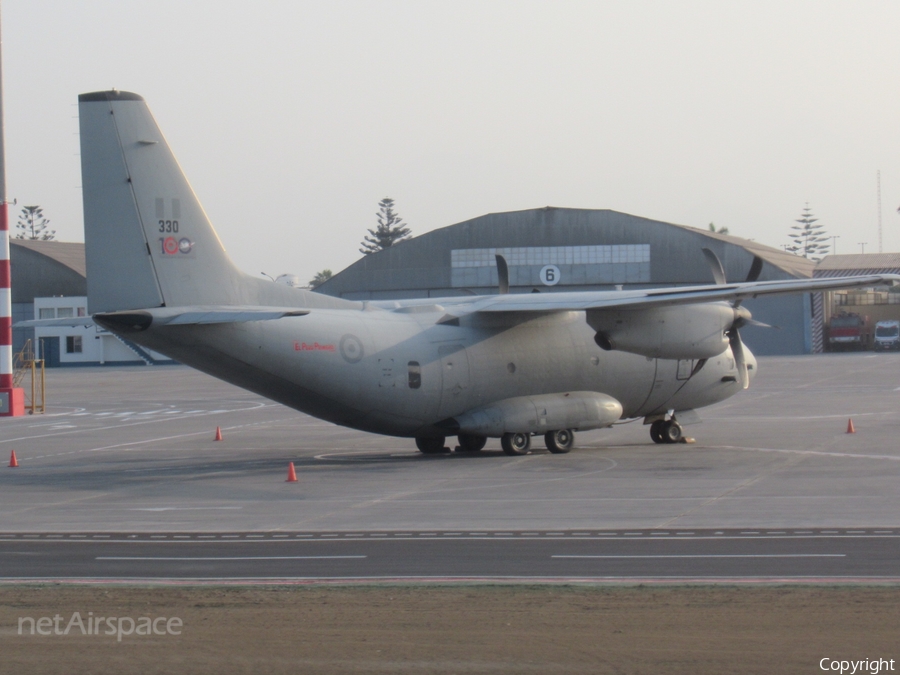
point(12, 401)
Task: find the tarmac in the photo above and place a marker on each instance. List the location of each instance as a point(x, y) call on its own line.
point(131, 450)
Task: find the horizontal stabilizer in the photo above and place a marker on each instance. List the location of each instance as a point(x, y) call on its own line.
point(141, 320)
point(231, 315)
point(72, 322)
point(183, 316)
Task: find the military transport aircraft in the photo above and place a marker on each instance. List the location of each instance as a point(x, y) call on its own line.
point(506, 365)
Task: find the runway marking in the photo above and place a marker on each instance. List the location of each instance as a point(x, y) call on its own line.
point(188, 508)
point(893, 458)
point(488, 579)
point(151, 440)
point(713, 555)
point(248, 557)
point(250, 537)
point(112, 427)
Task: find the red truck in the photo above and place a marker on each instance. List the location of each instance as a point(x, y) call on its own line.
point(847, 330)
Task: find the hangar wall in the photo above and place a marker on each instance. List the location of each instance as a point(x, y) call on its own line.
point(584, 249)
point(42, 269)
point(48, 282)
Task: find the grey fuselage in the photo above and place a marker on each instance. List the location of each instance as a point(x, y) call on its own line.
point(400, 372)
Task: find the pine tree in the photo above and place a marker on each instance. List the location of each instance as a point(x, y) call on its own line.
point(390, 230)
point(809, 239)
point(34, 225)
point(320, 278)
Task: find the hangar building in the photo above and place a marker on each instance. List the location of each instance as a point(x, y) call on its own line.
point(48, 282)
point(559, 249)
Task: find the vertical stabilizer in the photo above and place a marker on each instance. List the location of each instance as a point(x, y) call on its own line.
point(148, 241)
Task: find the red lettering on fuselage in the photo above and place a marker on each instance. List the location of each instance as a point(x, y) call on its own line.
point(312, 347)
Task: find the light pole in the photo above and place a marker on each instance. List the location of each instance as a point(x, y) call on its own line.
point(862, 245)
point(834, 239)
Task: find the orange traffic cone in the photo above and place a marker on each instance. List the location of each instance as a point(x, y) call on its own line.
point(292, 475)
point(218, 434)
point(13, 462)
point(850, 428)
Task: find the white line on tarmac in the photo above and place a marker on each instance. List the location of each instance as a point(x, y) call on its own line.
point(894, 458)
point(189, 508)
point(262, 557)
point(258, 406)
point(715, 555)
point(152, 440)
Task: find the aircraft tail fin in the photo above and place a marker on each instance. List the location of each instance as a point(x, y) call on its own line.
point(148, 241)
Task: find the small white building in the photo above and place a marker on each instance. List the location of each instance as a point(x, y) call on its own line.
point(88, 345)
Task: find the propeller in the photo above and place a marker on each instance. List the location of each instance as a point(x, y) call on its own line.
point(742, 316)
point(502, 275)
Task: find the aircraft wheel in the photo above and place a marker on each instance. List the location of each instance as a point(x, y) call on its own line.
point(516, 443)
point(430, 445)
point(471, 442)
point(560, 441)
point(672, 432)
point(656, 431)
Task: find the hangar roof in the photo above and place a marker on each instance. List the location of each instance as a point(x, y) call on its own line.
point(669, 254)
point(858, 263)
point(70, 254)
point(46, 268)
point(795, 265)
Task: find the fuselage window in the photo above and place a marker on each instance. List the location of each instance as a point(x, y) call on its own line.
point(415, 375)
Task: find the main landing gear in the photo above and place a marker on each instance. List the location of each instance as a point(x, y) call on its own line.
point(558, 442)
point(431, 445)
point(666, 431)
point(471, 443)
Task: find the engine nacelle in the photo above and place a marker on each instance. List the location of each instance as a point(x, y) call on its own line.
point(576, 410)
point(694, 331)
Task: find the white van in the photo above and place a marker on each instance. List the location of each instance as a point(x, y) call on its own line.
point(887, 335)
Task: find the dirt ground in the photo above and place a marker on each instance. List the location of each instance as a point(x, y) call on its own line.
point(456, 629)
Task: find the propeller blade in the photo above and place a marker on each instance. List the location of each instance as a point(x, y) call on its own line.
point(737, 348)
point(715, 266)
point(754, 322)
point(502, 275)
point(755, 268)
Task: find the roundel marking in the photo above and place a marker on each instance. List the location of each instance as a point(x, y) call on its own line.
point(550, 275)
point(351, 348)
point(185, 245)
point(170, 245)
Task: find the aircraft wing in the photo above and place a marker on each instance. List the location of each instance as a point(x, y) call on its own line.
point(585, 300)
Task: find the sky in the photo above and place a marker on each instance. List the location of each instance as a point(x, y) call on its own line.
point(292, 119)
